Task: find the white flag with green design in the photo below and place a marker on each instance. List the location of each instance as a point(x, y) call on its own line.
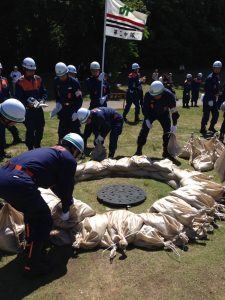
point(123, 22)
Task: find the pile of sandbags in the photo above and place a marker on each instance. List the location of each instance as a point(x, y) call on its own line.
point(202, 154)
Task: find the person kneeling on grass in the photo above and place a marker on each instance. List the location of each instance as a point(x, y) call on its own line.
point(20, 178)
point(158, 103)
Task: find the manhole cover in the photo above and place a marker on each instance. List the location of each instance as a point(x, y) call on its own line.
point(121, 195)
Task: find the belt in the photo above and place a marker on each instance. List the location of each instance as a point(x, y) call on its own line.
point(18, 168)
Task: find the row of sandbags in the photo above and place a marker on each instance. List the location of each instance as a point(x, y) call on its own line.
point(202, 154)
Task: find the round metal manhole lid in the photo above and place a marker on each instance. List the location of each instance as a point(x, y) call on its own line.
point(121, 195)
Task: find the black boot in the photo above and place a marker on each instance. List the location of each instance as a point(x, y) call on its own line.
point(16, 140)
point(139, 150)
point(203, 130)
point(212, 129)
point(111, 154)
point(35, 265)
point(125, 118)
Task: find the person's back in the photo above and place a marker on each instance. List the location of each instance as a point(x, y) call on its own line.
point(46, 164)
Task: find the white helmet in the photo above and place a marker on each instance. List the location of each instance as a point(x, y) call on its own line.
point(156, 88)
point(188, 76)
point(72, 69)
point(95, 66)
point(217, 64)
point(60, 69)
point(83, 114)
point(0, 65)
point(29, 63)
point(135, 66)
point(76, 140)
point(13, 110)
point(199, 75)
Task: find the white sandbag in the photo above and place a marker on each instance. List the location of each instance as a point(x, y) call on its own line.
point(203, 162)
point(204, 185)
point(123, 225)
point(198, 221)
point(168, 227)
point(78, 210)
point(91, 232)
point(148, 237)
point(173, 147)
point(220, 166)
point(11, 227)
point(50, 198)
point(194, 197)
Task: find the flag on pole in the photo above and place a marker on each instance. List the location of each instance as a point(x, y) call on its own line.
point(123, 22)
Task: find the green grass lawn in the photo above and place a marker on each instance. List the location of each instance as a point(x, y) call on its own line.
point(199, 274)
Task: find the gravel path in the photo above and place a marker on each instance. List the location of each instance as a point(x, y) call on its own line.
point(114, 104)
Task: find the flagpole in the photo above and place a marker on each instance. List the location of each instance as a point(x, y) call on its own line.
point(103, 46)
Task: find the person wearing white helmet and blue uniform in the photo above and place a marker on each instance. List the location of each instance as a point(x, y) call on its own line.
point(30, 90)
point(159, 103)
point(211, 89)
point(12, 111)
point(20, 178)
point(133, 95)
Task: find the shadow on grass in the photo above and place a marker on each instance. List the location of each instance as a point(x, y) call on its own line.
point(14, 286)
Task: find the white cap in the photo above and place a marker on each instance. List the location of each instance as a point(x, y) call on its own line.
point(156, 88)
point(83, 114)
point(13, 110)
point(135, 66)
point(29, 64)
point(72, 69)
point(95, 66)
point(217, 64)
point(60, 69)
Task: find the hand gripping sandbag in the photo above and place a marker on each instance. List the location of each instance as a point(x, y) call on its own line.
point(11, 227)
point(99, 153)
point(173, 148)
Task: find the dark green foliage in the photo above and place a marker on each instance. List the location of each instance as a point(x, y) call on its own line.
point(186, 31)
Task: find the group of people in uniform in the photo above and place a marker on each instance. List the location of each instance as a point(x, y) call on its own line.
point(54, 167)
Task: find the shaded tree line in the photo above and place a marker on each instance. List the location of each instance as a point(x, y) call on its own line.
point(186, 32)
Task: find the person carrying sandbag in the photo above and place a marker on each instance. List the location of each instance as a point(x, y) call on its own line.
point(20, 178)
point(159, 102)
point(102, 121)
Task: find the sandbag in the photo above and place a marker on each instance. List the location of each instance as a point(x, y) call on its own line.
point(98, 153)
point(190, 217)
point(168, 227)
point(220, 166)
point(78, 210)
point(11, 227)
point(173, 147)
point(91, 232)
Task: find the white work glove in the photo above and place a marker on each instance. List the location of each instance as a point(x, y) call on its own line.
point(42, 103)
point(74, 116)
point(148, 123)
point(65, 216)
point(102, 100)
point(210, 103)
point(222, 107)
point(99, 139)
point(173, 129)
point(101, 76)
point(56, 109)
point(78, 93)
